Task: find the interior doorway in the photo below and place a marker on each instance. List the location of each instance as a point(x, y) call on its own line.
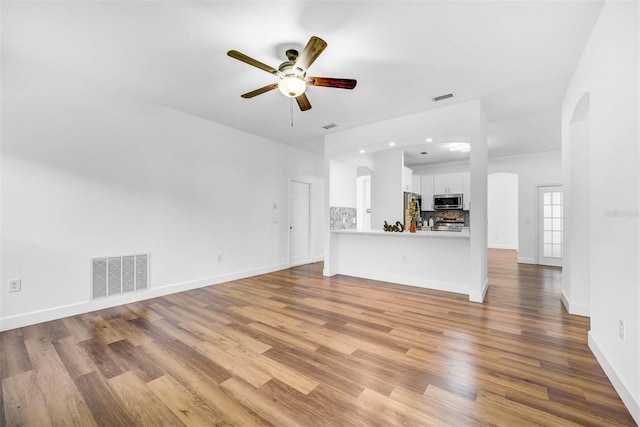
point(299, 237)
point(502, 211)
point(363, 202)
point(551, 235)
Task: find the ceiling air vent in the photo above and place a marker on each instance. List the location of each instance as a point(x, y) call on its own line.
point(329, 126)
point(441, 97)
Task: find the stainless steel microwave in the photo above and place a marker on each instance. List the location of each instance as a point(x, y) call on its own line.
point(447, 201)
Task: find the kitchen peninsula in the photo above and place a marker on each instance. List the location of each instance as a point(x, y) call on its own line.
point(453, 261)
point(428, 259)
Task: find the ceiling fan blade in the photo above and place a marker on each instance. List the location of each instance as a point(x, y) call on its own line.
point(331, 82)
point(310, 53)
point(260, 91)
point(303, 102)
point(248, 60)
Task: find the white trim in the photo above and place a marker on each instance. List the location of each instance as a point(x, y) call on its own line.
point(308, 260)
point(632, 404)
point(522, 260)
point(458, 288)
point(499, 246)
point(317, 258)
point(479, 296)
point(38, 316)
point(574, 308)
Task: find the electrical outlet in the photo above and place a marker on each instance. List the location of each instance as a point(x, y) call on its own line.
point(621, 331)
point(15, 285)
point(219, 258)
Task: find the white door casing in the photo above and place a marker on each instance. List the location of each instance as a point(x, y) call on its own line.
point(551, 235)
point(298, 223)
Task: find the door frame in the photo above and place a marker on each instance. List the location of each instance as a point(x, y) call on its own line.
point(542, 260)
point(308, 258)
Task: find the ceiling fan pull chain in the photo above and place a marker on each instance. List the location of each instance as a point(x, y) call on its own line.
point(291, 110)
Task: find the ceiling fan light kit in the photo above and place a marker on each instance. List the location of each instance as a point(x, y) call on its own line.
point(292, 73)
point(292, 86)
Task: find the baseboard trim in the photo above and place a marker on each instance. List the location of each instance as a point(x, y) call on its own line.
point(317, 258)
point(627, 398)
point(458, 288)
point(479, 296)
point(499, 246)
point(45, 315)
point(574, 308)
point(522, 260)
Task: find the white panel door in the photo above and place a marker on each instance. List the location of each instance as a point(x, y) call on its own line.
point(298, 223)
point(551, 226)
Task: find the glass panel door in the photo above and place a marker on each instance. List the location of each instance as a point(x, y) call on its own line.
point(551, 225)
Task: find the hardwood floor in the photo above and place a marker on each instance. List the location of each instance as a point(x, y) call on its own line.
point(296, 348)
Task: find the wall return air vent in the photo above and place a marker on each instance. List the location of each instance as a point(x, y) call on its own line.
point(119, 275)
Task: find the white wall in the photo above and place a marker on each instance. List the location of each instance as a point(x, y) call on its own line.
point(502, 207)
point(88, 172)
point(608, 71)
point(462, 120)
point(533, 170)
point(576, 165)
point(342, 185)
point(386, 189)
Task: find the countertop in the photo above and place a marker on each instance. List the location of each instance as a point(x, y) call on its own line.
point(463, 234)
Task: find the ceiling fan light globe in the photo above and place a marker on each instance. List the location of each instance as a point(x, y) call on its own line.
point(291, 86)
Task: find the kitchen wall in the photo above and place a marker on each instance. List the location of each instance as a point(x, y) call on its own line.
point(458, 119)
point(87, 170)
point(502, 207)
point(533, 170)
point(386, 189)
point(608, 74)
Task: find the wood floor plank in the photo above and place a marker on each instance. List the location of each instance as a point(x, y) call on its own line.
point(262, 403)
point(24, 402)
point(65, 404)
point(296, 348)
point(14, 358)
point(203, 386)
point(106, 408)
point(142, 405)
point(187, 407)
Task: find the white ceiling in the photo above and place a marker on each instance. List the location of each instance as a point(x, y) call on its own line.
point(516, 56)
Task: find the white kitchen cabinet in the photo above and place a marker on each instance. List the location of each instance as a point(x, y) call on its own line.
point(426, 190)
point(466, 191)
point(416, 184)
point(454, 183)
point(407, 177)
point(450, 183)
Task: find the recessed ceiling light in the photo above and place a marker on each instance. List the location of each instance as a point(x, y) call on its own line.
point(361, 151)
point(429, 140)
point(330, 126)
point(392, 144)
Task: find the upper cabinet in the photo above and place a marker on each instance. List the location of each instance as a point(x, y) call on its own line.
point(407, 178)
point(453, 183)
point(466, 190)
point(416, 184)
point(426, 190)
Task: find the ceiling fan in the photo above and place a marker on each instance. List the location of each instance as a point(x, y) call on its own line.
point(293, 73)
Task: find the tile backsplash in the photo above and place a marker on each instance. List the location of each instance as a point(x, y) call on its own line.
point(343, 218)
point(426, 215)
